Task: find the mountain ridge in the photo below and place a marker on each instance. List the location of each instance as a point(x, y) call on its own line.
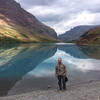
point(18, 24)
point(75, 33)
point(90, 37)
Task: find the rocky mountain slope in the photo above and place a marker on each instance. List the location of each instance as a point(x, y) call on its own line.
point(16, 24)
point(91, 37)
point(75, 33)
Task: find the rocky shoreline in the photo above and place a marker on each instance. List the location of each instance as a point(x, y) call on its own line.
point(88, 91)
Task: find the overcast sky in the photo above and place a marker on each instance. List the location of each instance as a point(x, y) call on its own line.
point(63, 15)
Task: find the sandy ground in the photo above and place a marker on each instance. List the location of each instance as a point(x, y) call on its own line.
point(88, 91)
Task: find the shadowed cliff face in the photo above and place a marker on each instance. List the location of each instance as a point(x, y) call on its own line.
point(13, 11)
point(23, 60)
point(17, 23)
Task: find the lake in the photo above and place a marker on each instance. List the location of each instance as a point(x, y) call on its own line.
point(31, 67)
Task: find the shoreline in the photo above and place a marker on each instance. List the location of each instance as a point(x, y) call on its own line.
point(87, 91)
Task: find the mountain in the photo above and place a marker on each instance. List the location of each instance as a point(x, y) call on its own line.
point(18, 25)
point(90, 37)
point(75, 33)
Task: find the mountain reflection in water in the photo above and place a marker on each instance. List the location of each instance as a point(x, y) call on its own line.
point(31, 67)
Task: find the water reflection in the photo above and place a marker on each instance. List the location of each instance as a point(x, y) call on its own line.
point(73, 50)
point(91, 51)
point(31, 67)
point(21, 60)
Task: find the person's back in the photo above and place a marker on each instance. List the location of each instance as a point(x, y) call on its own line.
point(61, 74)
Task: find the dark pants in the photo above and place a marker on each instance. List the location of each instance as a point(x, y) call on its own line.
point(61, 82)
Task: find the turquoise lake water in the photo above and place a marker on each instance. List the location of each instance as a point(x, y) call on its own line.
point(31, 67)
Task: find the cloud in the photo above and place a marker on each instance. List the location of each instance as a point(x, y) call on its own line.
point(64, 14)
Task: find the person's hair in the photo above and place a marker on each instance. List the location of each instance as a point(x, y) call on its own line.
point(59, 58)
